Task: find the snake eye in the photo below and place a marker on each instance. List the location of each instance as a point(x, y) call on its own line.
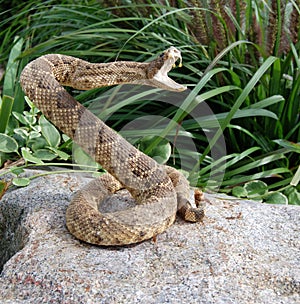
point(161, 55)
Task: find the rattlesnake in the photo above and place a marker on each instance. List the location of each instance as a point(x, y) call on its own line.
point(159, 191)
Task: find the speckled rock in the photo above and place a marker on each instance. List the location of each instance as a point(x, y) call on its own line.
point(243, 252)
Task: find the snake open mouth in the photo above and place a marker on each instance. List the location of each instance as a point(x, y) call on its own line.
point(160, 78)
point(172, 55)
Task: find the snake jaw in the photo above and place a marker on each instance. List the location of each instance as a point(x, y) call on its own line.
point(157, 75)
point(161, 78)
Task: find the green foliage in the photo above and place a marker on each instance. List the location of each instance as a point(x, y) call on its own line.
point(33, 137)
point(161, 153)
point(10, 90)
point(241, 58)
point(258, 190)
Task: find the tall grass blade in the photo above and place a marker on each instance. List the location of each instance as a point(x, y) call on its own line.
point(12, 68)
point(5, 111)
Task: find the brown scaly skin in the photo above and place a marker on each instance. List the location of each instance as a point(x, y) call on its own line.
point(157, 190)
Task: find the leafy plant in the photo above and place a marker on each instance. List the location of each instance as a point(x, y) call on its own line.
point(10, 88)
point(258, 190)
point(241, 58)
point(33, 137)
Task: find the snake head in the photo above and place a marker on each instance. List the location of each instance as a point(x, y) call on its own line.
point(157, 73)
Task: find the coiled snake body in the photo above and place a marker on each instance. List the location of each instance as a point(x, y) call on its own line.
point(159, 191)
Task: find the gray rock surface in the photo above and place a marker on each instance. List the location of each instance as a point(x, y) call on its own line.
point(243, 252)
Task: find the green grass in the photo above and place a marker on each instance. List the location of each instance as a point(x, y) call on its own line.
point(242, 108)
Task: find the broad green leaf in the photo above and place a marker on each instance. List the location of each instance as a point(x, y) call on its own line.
point(34, 135)
point(84, 160)
point(239, 191)
point(276, 198)
point(8, 144)
point(30, 118)
point(293, 195)
point(22, 132)
point(161, 153)
point(65, 137)
point(37, 143)
point(44, 154)
point(255, 188)
point(16, 170)
point(29, 157)
point(50, 133)
point(21, 181)
point(36, 128)
point(20, 117)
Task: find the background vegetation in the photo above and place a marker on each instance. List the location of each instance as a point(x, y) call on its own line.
point(241, 57)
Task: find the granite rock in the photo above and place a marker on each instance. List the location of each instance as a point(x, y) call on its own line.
point(243, 252)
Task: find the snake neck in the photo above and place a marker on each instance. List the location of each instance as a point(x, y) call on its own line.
point(107, 74)
point(83, 75)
